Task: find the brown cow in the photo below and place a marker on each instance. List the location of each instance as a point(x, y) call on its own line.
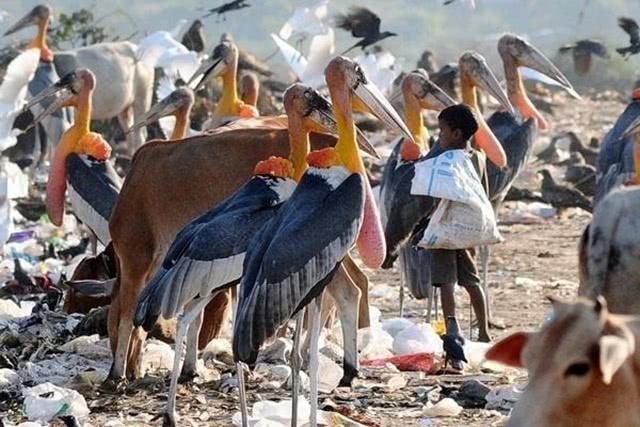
point(583, 368)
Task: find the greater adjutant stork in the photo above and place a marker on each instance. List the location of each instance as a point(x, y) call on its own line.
point(224, 63)
point(173, 112)
point(408, 211)
point(418, 93)
point(293, 258)
point(208, 253)
point(618, 154)
point(80, 158)
point(516, 133)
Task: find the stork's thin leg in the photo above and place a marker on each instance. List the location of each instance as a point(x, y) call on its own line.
point(403, 279)
point(181, 330)
point(189, 367)
point(485, 253)
point(189, 314)
point(296, 364)
point(435, 302)
point(315, 308)
point(234, 306)
point(243, 394)
point(430, 303)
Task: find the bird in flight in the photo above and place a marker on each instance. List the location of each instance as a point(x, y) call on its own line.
point(630, 26)
point(227, 7)
point(364, 24)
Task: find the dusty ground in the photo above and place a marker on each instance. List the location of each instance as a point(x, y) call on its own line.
point(535, 261)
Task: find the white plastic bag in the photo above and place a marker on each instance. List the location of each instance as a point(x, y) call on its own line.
point(464, 217)
point(457, 225)
point(419, 338)
point(47, 401)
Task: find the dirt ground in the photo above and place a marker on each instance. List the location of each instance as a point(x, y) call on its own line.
point(534, 261)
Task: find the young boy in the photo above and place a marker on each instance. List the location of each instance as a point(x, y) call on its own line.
point(448, 267)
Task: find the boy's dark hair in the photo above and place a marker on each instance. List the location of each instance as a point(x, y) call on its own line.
point(460, 117)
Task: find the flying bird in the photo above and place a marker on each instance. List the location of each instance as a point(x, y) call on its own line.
point(194, 39)
point(471, 2)
point(583, 51)
point(309, 19)
point(227, 7)
point(630, 26)
point(364, 24)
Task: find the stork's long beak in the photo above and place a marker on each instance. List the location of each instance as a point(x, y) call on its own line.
point(322, 115)
point(166, 107)
point(375, 101)
point(436, 97)
point(487, 81)
point(532, 58)
point(213, 67)
point(26, 21)
point(63, 93)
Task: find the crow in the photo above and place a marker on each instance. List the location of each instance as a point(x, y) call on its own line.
point(194, 38)
point(453, 349)
point(364, 24)
point(630, 26)
point(560, 196)
point(227, 7)
point(583, 50)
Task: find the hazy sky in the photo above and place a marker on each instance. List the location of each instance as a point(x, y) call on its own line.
point(447, 30)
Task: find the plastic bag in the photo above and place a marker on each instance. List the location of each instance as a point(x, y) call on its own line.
point(420, 362)
point(417, 339)
point(47, 401)
point(457, 225)
point(464, 217)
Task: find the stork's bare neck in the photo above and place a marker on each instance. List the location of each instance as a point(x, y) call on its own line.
point(346, 147)
point(413, 118)
point(299, 146)
point(484, 137)
point(516, 91)
point(182, 123)
point(40, 41)
point(229, 104)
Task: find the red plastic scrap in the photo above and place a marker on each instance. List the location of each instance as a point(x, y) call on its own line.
point(423, 362)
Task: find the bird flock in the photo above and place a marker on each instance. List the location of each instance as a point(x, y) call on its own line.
point(266, 214)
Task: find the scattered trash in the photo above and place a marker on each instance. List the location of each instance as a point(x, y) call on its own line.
point(417, 339)
point(396, 325)
point(423, 362)
point(395, 382)
point(9, 310)
point(275, 414)
point(527, 213)
point(47, 401)
point(8, 379)
point(447, 407)
point(89, 346)
point(374, 342)
point(330, 374)
point(503, 398)
point(472, 394)
point(268, 413)
point(276, 353)
point(157, 355)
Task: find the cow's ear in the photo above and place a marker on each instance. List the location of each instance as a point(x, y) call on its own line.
point(508, 350)
point(616, 345)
